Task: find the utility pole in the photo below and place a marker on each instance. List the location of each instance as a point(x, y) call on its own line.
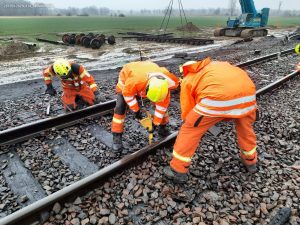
point(279, 7)
point(232, 7)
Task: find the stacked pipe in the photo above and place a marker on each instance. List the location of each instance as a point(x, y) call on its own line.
point(94, 41)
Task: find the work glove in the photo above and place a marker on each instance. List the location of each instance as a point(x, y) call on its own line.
point(138, 115)
point(154, 127)
point(50, 90)
point(98, 98)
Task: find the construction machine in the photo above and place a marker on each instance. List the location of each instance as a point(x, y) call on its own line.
point(250, 24)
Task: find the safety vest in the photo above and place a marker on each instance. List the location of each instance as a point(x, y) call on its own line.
point(133, 80)
point(80, 77)
point(217, 89)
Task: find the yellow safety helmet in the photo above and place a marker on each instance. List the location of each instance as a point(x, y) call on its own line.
point(185, 64)
point(157, 89)
point(297, 49)
point(62, 67)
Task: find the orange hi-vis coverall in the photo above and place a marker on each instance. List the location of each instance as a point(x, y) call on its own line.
point(81, 84)
point(212, 92)
point(133, 80)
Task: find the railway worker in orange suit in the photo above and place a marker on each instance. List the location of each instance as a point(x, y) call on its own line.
point(75, 81)
point(142, 79)
point(212, 92)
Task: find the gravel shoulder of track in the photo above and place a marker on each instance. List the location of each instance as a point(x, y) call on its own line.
point(223, 192)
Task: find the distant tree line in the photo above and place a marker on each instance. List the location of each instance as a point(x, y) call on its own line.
point(26, 8)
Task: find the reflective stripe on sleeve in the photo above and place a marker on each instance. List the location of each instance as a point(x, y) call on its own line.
point(247, 153)
point(120, 84)
point(93, 85)
point(84, 73)
point(181, 158)
point(237, 101)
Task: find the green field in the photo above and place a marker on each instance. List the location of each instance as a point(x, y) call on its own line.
point(48, 26)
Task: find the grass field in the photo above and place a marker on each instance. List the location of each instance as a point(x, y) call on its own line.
point(48, 26)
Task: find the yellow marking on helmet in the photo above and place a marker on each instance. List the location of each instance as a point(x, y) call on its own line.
point(297, 49)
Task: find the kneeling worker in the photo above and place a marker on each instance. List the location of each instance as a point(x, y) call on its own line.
point(212, 92)
point(75, 81)
point(143, 79)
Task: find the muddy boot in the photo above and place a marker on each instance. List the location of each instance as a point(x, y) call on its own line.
point(163, 131)
point(117, 142)
point(175, 176)
point(251, 168)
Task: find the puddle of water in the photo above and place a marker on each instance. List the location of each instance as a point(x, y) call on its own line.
point(107, 57)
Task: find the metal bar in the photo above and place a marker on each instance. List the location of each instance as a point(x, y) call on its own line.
point(83, 184)
point(16, 134)
point(51, 42)
point(276, 84)
point(274, 55)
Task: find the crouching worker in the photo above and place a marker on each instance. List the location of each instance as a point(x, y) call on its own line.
point(75, 81)
point(212, 92)
point(143, 79)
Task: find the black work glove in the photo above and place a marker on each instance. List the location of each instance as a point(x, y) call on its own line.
point(98, 98)
point(138, 115)
point(50, 90)
point(154, 127)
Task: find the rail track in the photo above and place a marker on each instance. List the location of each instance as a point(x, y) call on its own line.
point(15, 135)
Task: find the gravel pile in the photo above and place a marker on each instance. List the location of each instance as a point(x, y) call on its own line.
point(219, 190)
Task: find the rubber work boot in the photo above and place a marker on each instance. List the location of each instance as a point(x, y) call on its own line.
point(251, 168)
point(117, 142)
point(175, 176)
point(163, 131)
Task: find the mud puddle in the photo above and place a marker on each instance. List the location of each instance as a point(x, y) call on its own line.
point(107, 57)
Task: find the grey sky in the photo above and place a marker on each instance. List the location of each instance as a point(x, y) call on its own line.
point(161, 4)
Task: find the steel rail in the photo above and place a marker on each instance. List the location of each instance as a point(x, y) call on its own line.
point(103, 174)
point(267, 57)
point(32, 211)
point(276, 84)
point(26, 131)
point(23, 132)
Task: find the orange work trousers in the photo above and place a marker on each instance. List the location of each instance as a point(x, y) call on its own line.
point(69, 96)
point(195, 127)
point(117, 125)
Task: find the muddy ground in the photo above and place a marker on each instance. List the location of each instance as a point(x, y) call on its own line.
point(21, 75)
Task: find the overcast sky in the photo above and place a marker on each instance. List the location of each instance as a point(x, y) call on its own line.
point(161, 4)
